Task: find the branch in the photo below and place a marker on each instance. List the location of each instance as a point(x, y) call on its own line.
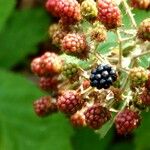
point(120, 48)
point(127, 8)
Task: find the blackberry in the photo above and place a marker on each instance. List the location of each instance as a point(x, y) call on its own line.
point(69, 102)
point(70, 70)
point(96, 116)
point(48, 64)
point(126, 121)
point(65, 9)
point(145, 97)
point(109, 14)
point(44, 106)
point(147, 83)
point(74, 43)
point(103, 76)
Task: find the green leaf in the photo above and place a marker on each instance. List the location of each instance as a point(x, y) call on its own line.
point(20, 128)
point(20, 37)
point(143, 134)
point(105, 128)
point(72, 59)
point(6, 8)
point(144, 61)
point(139, 16)
point(87, 139)
point(109, 43)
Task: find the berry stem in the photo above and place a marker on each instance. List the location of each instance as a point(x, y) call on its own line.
point(87, 90)
point(128, 10)
point(142, 54)
point(120, 47)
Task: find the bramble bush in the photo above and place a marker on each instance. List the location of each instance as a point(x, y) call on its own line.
point(92, 66)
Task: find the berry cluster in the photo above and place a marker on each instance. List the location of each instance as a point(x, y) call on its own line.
point(89, 80)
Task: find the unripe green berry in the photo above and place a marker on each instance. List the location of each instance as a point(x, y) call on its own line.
point(89, 9)
point(70, 70)
point(138, 76)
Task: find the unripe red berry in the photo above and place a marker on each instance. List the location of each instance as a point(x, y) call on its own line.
point(74, 43)
point(126, 121)
point(69, 102)
point(44, 106)
point(47, 64)
point(147, 83)
point(109, 14)
point(66, 9)
point(96, 116)
point(145, 97)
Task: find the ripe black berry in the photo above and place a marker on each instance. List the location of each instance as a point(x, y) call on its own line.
point(103, 76)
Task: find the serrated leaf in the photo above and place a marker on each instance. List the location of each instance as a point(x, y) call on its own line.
point(6, 8)
point(20, 37)
point(110, 42)
point(20, 128)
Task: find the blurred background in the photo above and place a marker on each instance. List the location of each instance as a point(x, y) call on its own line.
point(23, 36)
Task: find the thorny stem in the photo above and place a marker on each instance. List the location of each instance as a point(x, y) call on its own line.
point(142, 54)
point(120, 48)
point(128, 10)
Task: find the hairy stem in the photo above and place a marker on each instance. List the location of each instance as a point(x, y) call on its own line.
point(128, 10)
point(120, 47)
